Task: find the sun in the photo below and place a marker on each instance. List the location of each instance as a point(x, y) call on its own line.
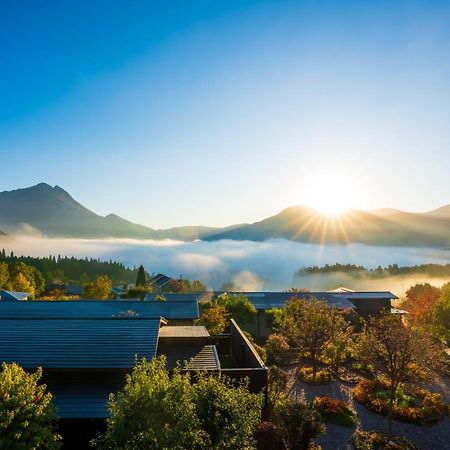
point(332, 194)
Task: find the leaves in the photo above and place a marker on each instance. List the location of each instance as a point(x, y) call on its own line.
point(27, 413)
point(158, 411)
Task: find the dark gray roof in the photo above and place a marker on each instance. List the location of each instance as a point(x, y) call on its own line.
point(192, 297)
point(77, 343)
point(269, 300)
point(160, 280)
point(13, 295)
point(198, 357)
point(385, 295)
point(183, 332)
point(100, 309)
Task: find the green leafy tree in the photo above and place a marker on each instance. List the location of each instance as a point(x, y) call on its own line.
point(141, 278)
point(214, 317)
point(27, 414)
point(21, 283)
point(100, 289)
point(398, 352)
point(300, 424)
point(4, 275)
point(238, 307)
point(156, 410)
point(228, 413)
point(441, 314)
point(276, 389)
point(25, 278)
point(310, 326)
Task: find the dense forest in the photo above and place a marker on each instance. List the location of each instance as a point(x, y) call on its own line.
point(434, 270)
point(64, 269)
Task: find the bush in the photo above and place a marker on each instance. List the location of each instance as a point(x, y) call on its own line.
point(269, 437)
point(300, 424)
point(322, 376)
point(157, 410)
point(372, 440)
point(276, 389)
point(276, 348)
point(27, 414)
point(335, 411)
point(416, 406)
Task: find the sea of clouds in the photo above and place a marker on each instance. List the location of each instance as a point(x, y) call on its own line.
point(250, 265)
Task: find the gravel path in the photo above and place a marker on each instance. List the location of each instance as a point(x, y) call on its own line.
point(337, 437)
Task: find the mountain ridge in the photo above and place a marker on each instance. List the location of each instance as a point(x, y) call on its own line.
point(55, 213)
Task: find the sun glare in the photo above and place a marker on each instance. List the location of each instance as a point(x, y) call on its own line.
point(332, 195)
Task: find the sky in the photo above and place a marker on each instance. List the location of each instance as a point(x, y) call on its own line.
point(218, 112)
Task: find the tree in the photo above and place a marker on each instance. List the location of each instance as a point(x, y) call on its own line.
point(156, 410)
point(22, 284)
point(27, 414)
point(310, 326)
point(4, 275)
point(397, 351)
point(300, 424)
point(276, 389)
point(227, 411)
point(420, 302)
point(442, 314)
point(100, 289)
point(214, 318)
point(239, 307)
point(141, 278)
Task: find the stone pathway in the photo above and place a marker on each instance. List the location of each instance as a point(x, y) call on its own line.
point(337, 437)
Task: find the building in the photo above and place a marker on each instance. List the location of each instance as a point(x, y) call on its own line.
point(86, 348)
point(362, 303)
point(161, 282)
point(13, 296)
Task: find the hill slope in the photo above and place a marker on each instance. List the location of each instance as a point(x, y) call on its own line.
point(53, 212)
point(303, 224)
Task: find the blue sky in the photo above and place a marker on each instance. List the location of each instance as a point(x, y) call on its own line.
point(210, 112)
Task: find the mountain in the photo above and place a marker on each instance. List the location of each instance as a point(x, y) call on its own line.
point(444, 211)
point(382, 227)
point(53, 212)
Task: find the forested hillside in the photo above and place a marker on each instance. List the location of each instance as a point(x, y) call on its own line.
point(65, 269)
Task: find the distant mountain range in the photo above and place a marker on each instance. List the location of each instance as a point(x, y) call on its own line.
point(53, 212)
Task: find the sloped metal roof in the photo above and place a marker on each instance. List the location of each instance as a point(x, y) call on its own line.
point(13, 295)
point(385, 295)
point(269, 300)
point(184, 332)
point(100, 309)
point(193, 357)
point(77, 343)
point(192, 297)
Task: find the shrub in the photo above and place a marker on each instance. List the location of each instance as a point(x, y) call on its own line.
point(306, 374)
point(335, 411)
point(269, 437)
point(276, 388)
point(157, 410)
point(276, 348)
point(27, 413)
point(416, 406)
point(300, 424)
point(372, 440)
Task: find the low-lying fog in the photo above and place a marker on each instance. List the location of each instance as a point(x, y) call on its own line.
point(266, 265)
